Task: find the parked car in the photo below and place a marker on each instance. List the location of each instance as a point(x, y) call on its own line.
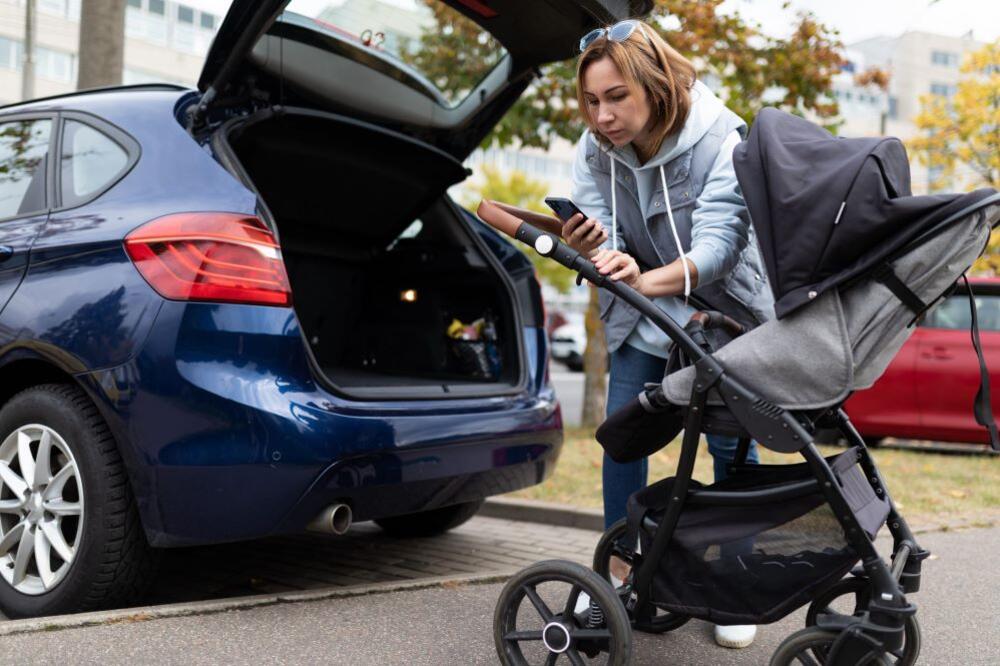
point(228, 312)
point(927, 391)
point(569, 341)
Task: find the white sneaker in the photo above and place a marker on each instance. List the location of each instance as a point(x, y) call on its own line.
point(735, 635)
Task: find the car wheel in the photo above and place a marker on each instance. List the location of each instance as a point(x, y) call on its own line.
point(429, 523)
point(575, 364)
point(873, 442)
point(70, 536)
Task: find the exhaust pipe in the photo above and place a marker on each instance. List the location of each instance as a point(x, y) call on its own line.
point(334, 519)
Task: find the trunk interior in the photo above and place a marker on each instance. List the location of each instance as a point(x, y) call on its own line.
point(380, 262)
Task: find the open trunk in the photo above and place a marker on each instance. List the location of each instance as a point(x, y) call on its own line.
point(380, 261)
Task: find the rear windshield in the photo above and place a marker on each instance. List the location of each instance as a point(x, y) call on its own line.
point(446, 53)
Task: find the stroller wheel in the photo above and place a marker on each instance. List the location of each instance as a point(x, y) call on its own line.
point(847, 596)
point(850, 596)
point(807, 645)
point(612, 545)
point(557, 618)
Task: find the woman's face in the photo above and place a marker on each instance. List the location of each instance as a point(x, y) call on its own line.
point(621, 114)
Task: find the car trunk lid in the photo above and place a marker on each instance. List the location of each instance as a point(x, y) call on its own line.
point(376, 58)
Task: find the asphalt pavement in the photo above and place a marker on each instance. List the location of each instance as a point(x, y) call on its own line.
point(569, 390)
point(452, 624)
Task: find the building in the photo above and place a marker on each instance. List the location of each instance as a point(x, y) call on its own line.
point(165, 41)
point(919, 63)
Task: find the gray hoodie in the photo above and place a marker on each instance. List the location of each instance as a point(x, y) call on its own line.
point(719, 230)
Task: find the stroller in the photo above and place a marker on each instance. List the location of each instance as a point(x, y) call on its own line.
point(853, 261)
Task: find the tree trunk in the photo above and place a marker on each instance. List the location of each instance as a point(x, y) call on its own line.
point(102, 43)
point(595, 366)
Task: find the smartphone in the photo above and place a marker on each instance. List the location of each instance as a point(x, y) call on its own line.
point(563, 208)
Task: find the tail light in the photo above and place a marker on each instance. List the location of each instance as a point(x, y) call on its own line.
point(223, 257)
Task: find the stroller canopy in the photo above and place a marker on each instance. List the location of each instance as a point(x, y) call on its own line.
point(828, 209)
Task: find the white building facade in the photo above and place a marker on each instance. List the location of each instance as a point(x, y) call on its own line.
point(165, 41)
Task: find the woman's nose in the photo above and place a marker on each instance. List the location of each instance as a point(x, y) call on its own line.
point(604, 115)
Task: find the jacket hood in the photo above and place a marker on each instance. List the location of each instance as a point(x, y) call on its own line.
point(705, 110)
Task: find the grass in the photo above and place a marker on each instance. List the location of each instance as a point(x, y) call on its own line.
point(927, 487)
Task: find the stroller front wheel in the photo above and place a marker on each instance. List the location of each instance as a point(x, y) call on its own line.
point(851, 596)
point(551, 623)
point(612, 545)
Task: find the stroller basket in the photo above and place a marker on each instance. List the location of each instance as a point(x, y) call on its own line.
point(756, 546)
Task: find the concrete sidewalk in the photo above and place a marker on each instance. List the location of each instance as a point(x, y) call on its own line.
point(452, 623)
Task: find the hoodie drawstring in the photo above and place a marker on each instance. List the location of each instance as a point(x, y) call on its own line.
point(670, 216)
point(614, 208)
point(673, 228)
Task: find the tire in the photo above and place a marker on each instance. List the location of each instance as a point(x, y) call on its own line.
point(108, 562)
point(429, 523)
point(808, 643)
point(610, 545)
point(859, 588)
point(609, 635)
point(873, 442)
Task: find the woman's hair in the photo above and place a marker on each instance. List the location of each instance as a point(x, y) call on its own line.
point(649, 65)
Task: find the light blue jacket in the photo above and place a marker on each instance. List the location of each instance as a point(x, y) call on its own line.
point(709, 226)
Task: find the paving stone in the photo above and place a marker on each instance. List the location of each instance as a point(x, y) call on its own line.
point(365, 554)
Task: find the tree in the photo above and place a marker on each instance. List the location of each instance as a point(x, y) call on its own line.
point(752, 70)
point(519, 190)
point(965, 130)
point(102, 43)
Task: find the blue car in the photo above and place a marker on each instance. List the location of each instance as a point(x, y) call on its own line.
point(253, 309)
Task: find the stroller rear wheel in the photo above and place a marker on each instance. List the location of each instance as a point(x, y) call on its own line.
point(850, 596)
point(612, 545)
point(551, 625)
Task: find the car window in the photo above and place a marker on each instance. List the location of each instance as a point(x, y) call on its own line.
point(448, 51)
point(90, 161)
point(23, 147)
point(954, 313)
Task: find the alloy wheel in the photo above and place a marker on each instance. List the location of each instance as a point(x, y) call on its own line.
point(41, 509)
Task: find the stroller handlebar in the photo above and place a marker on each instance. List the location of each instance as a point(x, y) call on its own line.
point(551, 246)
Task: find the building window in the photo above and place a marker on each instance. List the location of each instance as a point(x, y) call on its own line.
point(893, 107)
point(943, 89)
point(57, 7)
point(185, 14)
point(208, 21)
point(157, 7)
point(55, 65)
point(135, 3)
point(10, 53)
point(944, 58)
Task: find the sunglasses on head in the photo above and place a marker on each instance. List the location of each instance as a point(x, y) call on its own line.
point(619, 32)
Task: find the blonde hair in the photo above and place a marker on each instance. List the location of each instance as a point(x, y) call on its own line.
point(650, 65)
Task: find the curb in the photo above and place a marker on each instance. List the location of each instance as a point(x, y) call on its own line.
point(146, 613)
point(548, 513)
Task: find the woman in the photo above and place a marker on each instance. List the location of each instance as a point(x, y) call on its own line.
point(654, 169)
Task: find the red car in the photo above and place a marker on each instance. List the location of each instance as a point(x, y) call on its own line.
point(928, 389)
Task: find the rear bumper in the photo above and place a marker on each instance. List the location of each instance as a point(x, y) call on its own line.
point(227, 437)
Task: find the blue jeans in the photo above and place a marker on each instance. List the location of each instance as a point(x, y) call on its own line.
point(630, 371)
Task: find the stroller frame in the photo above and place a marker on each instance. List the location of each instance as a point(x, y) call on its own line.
point(873, 633)
point(779, 430)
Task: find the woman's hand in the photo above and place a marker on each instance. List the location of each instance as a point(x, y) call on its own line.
point(619, 266)
point(584, 236)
